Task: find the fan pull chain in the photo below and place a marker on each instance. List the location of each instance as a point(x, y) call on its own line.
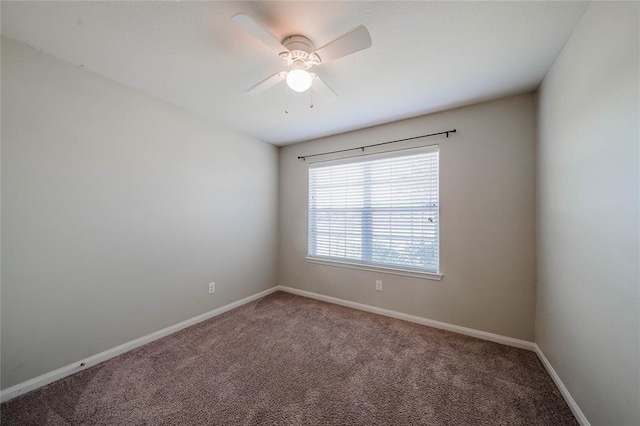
point(311, 94)
point(286, 99)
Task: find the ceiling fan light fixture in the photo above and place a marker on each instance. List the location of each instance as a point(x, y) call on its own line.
point(299, 80)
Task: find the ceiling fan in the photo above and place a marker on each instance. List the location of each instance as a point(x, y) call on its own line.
point(300, 55)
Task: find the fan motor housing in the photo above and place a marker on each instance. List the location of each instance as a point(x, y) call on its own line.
point(298, 42)
point(300, 54)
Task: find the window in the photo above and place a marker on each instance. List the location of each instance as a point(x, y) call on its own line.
point(377, 210)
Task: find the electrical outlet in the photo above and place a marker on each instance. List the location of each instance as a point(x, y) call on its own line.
point(212, 288)
point(379, 285)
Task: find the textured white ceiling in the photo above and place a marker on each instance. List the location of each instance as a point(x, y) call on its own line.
point(426, 56)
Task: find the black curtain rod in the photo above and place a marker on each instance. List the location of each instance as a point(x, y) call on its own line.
point(304, 157)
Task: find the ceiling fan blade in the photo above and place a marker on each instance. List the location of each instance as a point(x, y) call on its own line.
point(324, 91)
point(353, 41)
point(267, 83)
point(248, 24)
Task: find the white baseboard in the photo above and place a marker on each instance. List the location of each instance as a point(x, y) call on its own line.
point(509, 341)
point(45, 379)
point(577, 412)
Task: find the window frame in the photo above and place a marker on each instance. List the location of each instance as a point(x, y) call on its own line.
point(372, 266)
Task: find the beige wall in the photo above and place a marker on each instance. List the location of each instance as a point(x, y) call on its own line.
point(117, 210)
point(487, 185)
point(587, 319)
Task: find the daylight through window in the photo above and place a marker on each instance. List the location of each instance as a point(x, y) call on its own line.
point(379, 209)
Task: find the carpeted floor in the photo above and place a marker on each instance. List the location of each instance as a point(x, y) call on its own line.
point(286, 359)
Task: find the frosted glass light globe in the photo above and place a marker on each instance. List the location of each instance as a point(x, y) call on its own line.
point(299, 80)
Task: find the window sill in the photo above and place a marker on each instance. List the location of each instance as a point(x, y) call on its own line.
point(374, 268)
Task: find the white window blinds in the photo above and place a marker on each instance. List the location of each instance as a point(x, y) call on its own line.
point(378, 209)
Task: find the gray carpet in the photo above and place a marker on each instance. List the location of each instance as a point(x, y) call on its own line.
point(286, 359)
